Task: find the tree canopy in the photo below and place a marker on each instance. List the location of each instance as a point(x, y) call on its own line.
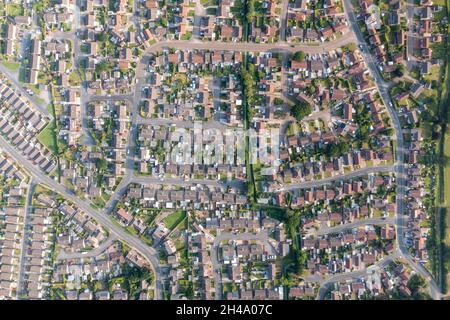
point(300, 110)
point(299, 56)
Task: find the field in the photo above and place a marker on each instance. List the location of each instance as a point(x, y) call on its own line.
point(444, 186)
point(13, 9)
point(446, 167)
point(12, 66)
point(434, 74)
point(174, 219)
point(74, 79)
point(46, 137)
point(445, 232)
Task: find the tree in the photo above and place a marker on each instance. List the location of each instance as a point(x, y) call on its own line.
point(350, 47)
point(102, 36)
point(103, 66)
point(299, 56)
point(400, 71)
point(102, 165)
point(249, 83)
point(337, 149)
point(300, 110)
point(163, 22)
point(415, 283)
point(250, 10)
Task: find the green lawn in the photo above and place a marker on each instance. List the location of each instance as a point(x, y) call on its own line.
point(99, 202)
point(37, 93)
point(174, 219)
point(35, 89)
point(12, 66)
point(446, 169)
point(439, 50)
point(211, 11)
point(439, 15)
point(14, 9)
point(74, 79)
point(186, 36)
point(434, 74)
point(443, 199)
point(46, 137)
point(23, 75)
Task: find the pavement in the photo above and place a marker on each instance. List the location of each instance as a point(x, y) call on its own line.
point(278, 47)
point(412, 61)
point(334, 179)
point(180, 123)
point(355, 224)
point(88, 254)
point(107, 221)
point(283, 14)
point(400, 172)
point(251, 46)
point(24, 240)
point(102, 217)
point(150, 253)
point(19, 90)
point(262, 236)
point(326, 282)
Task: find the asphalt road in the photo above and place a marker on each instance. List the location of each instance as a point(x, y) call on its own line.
point(399, 152)
point(410, 34)
point(180, 123)
point(262, 236)
point(283, 14)
point(278, 47)
point(148, 252)
point(250, 46)
point(355, 224)
point(20, 91)
point(89, 254)
point(327, 282)
point(346, 176)
point(24, 240)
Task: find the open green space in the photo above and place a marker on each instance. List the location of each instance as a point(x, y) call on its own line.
point(174, 219)
point(434, 74)
point(442, 263)
point(46, 137)
point(12, 66)
point(74, 79)
point(14, 9)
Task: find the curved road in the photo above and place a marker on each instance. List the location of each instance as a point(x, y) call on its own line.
point(349, 175)
point(282, 47)
point(103, 219)
point(326, 283)
point(88, 254)
point(399, 152)
point(355, 224)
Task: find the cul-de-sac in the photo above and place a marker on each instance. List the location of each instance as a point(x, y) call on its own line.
point(224, 150)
